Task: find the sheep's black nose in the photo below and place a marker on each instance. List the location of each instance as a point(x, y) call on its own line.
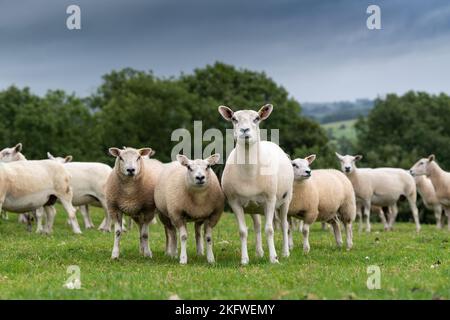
point(200, 178)
point(245, 130)
point(411, 172)
point(308, 172)
point(347, 169)
point(131, 171)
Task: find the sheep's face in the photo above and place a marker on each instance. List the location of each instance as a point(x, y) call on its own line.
point(11, 154)
point(246, 122)
point(422, 167)
point(198, 171)
point(302, 168)
point(59, 159)
point(348, 162)
point(129, 160)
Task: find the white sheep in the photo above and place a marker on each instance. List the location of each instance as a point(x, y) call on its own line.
point(130, 190)
point(381, 187)
point(30, 185)
point(188, 190)
point(426, 190)
point(438, 177)
point(325, 195)
point(257, 172)
point(88, 184)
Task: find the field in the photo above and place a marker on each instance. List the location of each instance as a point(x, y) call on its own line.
point(341, 129)
point(32, 266)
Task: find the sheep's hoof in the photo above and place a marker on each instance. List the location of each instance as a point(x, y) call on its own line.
point(260, 253)
point(104, 230)
point(211, 261)
point(306, 250)
point(115, 256)
point(148, 255)
point(244, 261)
point(274, 260)
point(286, 254)
point(183, 260)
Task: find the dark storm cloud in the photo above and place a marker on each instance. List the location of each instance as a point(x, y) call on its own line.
point(319, 50)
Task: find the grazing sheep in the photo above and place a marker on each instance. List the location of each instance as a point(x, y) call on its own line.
point(381, 187)
point(30, 185)
point(88, 184)
point(325, 195)
point(426, 190)
point(439, 178)
point(188, 190)
point(257, 172)
point(130, 190)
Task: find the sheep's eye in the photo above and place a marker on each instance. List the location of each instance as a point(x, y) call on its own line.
point(256, 119)
point(234, 119)
point(121, 159)
point(139, 158)
point(189, 168)
point(208, 166)
point(421, 163)
point(295, 165)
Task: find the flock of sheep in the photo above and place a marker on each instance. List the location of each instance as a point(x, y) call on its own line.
point(258, 178)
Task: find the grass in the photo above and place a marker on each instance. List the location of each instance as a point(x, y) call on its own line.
point(339, 129)
point(34, 266)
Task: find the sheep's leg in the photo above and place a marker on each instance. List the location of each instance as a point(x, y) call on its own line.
point(199, 238)
point(239, 213)
point(117, 217)
point(50, 213)
point(29, 219)
point(290, 231)
point(349, 235)
point(183, 240)
point(337, 232)
point(305, 232)
point(367, 216)
point(447, 213)
point(438, 215)
point(66, 201)
point(209, 243)
point(276, 221)
point(22, 218)
point(359, 209)
point(105, 226)
point(39, 216)
point(412, 204)
point(300, 226)
point(383, 218)
point(86, 218)
point(285, 227)
point(5, 215)
point(324, 226)
point(144, 247)
point(270, 212)
point(257, 227)
point(393, 215)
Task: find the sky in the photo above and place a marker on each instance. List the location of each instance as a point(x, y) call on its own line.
point(319, 50)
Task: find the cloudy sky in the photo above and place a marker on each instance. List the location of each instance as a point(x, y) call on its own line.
point(319, 50)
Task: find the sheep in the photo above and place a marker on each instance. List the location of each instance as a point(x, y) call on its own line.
point(257, 172)
point(381, 186)
point(428, 194)
point(439, 178)
point(30, 185)
point(325, 195)
point(130, 190)
point(88, 184)
point(188, 190)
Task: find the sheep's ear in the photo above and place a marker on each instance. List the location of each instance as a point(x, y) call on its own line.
point(68, 159)
point(151, 154)
point(213, 159)
point(226, 112)
point(145, 152)
point(310, 158)
point(358, 157)
point(289, 157)
point(265, 111)
point(115, 152)
point(339, 156)
point(50, 156)
point(182, 159)
point(18, 147)
point(431, 157)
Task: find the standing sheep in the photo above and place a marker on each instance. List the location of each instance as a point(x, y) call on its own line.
point(381, 187)
point(88, 184)
point(257, 172)
point(325, 195)
point(30, 185)
point(439, 178)
point(130, 190)
point(188, 190)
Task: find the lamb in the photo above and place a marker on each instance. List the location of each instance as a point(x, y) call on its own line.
point(30, 185)
point(88, 184)
point(188, 190)
point(325, 195)
point(439, 178)
point(257, 172)
point(130, 190)
point(381, 187)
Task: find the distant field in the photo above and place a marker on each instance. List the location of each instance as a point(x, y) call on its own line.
point(340, 129)
point(412, 266)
